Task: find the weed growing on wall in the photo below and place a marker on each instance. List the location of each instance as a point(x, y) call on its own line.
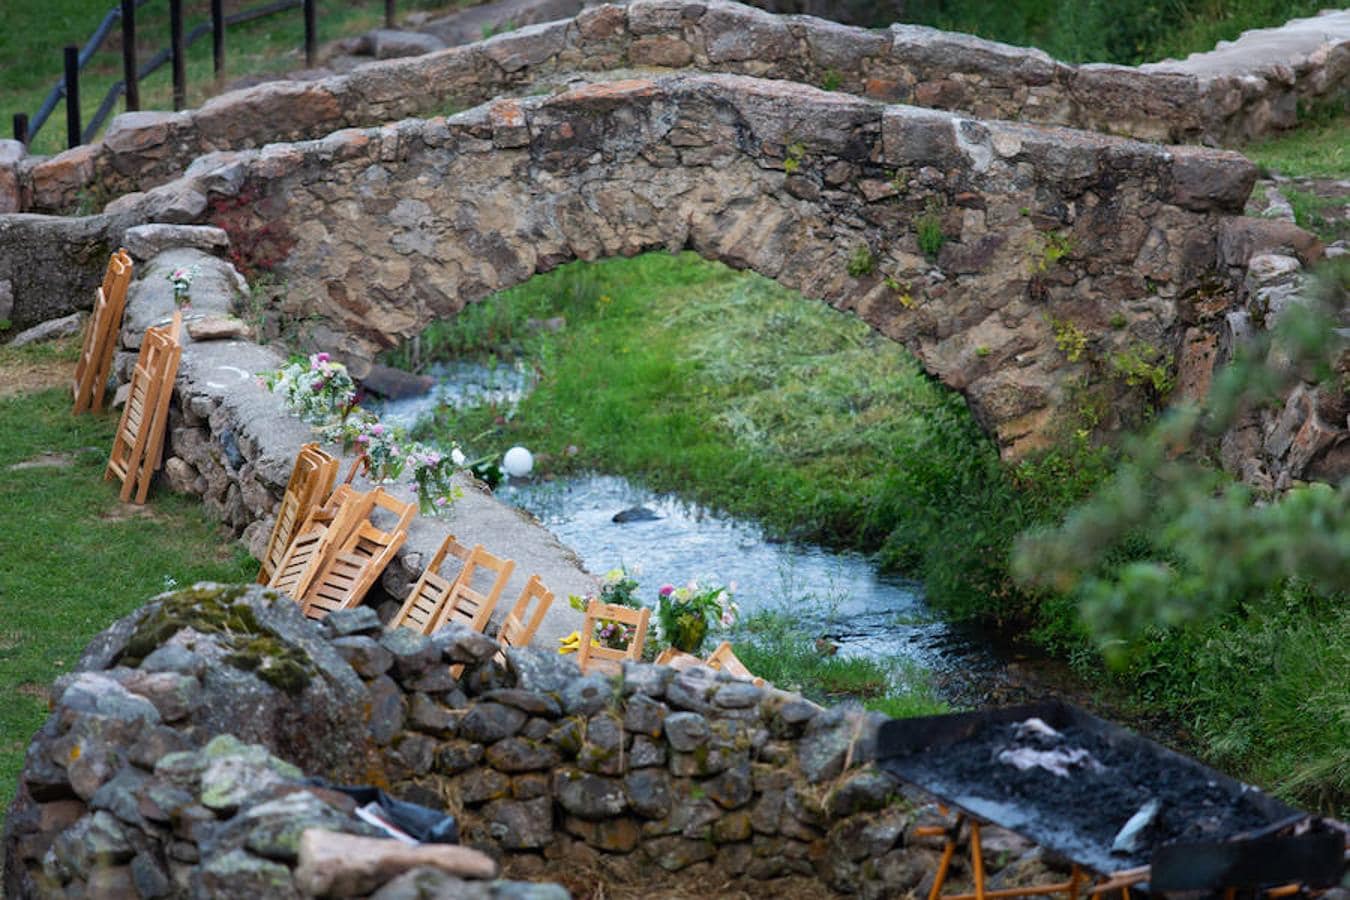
point(862, 262)
point(928, 227)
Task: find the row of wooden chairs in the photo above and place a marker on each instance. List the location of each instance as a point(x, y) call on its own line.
point(471, 596)
point(337, 553)
point(334, 556)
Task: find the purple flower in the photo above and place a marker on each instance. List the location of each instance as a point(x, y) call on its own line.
point(323, 357)
point(667, 590)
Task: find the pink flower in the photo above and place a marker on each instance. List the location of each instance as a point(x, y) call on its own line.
point(667, 590)
point(323, 357)
point(377, 429)
point(363, 439)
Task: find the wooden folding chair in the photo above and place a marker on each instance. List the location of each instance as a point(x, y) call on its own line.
point(325, 528)
point(678, 659)
point(467, 604)
point(725, 659)
point(592, 656)
point(517, 628)
point(351, 570)
point(139, 439)
point(310, 484)
point(428, 595)
point(100, 335)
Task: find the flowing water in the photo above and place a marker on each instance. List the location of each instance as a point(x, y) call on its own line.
point(838, 596)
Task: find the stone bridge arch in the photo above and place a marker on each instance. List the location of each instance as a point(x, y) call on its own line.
point(1057, 248)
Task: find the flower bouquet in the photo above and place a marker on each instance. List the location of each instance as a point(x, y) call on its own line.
point(686, 614)
point(181, 279)
point(383, 447)
point(318, 389)
point(432, 471)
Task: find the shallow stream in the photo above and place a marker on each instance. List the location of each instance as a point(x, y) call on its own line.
point(838, 596)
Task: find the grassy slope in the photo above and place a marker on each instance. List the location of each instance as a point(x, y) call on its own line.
point(74, 558)
point(34, 33)
point(1119, 31)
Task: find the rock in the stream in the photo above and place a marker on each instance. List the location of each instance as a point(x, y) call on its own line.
point(635, 514)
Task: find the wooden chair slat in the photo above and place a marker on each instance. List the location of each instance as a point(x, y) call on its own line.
point(725, 658)
point(465, 603)
point(100, 335)
point(139, 438)
point(351, 569)
point(424, 601)
point(310, 485)
point(592, 657)
point(323, 532)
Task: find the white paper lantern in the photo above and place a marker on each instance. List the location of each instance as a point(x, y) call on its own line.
point(518, 462)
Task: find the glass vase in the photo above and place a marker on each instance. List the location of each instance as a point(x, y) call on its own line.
point(688, 633)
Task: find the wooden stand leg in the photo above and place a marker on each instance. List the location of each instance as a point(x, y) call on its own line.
point(941, 877)
point(977, 859)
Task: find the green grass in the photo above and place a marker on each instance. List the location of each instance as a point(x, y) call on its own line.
point(742, 396)
point(776, 648)
point(1316, 148)
point(1266, 692)
point(1310, 212)
point(35, 32)
point(74, 558)
point(1119, 31)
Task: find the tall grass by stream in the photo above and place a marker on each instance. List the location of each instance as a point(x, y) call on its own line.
point(747, 398)
point(732, 391)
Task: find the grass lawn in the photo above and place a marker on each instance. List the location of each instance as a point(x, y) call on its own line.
point(34, 33)
point(1317, 148)
point(74, 558)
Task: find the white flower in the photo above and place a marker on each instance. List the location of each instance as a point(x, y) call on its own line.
point(457, 457)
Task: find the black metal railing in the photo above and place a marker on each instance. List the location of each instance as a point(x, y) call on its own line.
point(77, 57)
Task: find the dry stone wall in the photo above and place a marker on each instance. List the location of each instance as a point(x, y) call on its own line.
point(979, 246)
point(1234, 93)
point(174, 765)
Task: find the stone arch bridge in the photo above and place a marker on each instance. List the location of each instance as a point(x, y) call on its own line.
point(1013, 260)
